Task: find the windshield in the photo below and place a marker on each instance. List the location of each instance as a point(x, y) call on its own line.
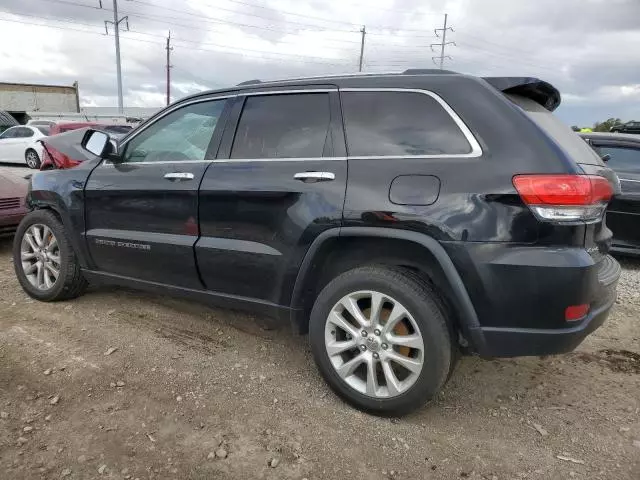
point(566, 138)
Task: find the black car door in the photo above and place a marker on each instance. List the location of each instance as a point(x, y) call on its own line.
point(623, 215)
point(142, 212)
point(279, 181)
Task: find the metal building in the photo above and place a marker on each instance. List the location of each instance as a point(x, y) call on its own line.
point(20, 98)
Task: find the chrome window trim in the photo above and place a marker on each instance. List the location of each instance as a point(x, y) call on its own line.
point(629, 180)
point(235, 160)
point(476, 150)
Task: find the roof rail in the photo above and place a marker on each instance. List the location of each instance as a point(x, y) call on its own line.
point(249, 82)
point(426, 71)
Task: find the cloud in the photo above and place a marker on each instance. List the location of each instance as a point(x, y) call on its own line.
point(589, 49)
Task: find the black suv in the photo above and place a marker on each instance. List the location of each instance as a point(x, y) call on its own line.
point(399, 219)
point(629, 127)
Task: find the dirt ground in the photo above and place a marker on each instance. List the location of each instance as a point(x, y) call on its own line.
point(186, 382)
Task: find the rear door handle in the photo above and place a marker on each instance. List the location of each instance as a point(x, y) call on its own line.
point(312, 177)
point(179, 176)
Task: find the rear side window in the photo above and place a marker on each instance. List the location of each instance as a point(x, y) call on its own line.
point(43, 129)
point(23, 132)
point(283, 126)
point(399, 124)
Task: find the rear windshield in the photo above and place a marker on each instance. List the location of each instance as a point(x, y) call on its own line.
point(43, 129)
point(569, 140)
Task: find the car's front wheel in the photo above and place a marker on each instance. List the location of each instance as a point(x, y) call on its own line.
point(43, 259)
point(32, 159)
point(380, 339)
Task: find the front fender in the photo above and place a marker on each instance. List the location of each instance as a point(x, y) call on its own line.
point(62, 191)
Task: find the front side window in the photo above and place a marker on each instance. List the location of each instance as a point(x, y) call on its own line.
point(8, 133)
point(621, 158)
point(380, 123)
point(181, 135)
point(283, 126)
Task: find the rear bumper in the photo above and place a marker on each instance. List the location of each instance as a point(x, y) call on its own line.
point(521, 342)
point(520, 294)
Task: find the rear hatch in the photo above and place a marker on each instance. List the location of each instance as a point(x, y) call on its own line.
point(538, 99)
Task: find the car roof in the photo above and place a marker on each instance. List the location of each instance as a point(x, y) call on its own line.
point(538, 90)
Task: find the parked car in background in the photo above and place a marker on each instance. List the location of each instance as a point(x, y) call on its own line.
point(398, 219)
point(622, 153)
point(12, 204)
point(116, 131)
point(20, 145)
point(629, 127)
point(62, 127)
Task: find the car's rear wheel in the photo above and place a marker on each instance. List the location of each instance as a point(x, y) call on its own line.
point(32, 158)
point(43, 259)
point(380, 338)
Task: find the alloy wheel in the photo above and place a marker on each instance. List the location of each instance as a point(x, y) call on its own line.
point(374, 344)
point(32, 159)
point(40, 256)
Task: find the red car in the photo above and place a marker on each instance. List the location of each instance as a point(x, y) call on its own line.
point(12, 204)
point(63, 150)
point(68, 126)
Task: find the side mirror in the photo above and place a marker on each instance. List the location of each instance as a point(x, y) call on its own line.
point(606, 157)
point(97, 143)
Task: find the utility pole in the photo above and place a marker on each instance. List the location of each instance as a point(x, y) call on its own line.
point(363, 30)
point(444, 42)
point(169, 48)
point(116, 28)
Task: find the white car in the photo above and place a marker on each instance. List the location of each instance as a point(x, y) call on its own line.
point(19, 144)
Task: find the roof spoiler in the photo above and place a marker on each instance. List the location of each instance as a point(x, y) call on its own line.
point(533, 88)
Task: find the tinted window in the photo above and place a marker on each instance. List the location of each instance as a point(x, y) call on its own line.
point(283, 126)
point(9, 133)
point(625, 159)
point(570, 141)
point(23, 132)
point(43, 129)
point(183, 134)
point(399, 123)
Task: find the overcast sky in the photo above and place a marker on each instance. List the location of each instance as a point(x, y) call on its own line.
point(589, 49)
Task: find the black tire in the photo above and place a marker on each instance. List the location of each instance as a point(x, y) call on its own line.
point(70, 282)
point(32, 154)
point(425, 307)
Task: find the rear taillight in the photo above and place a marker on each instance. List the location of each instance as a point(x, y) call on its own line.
point(565, 198)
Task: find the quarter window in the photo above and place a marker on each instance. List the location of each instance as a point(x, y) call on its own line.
point(181, 135)
point(399, 124)
point(283, 126)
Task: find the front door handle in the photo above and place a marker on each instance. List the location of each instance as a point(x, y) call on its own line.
point(178, 176)
point(312, 177)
